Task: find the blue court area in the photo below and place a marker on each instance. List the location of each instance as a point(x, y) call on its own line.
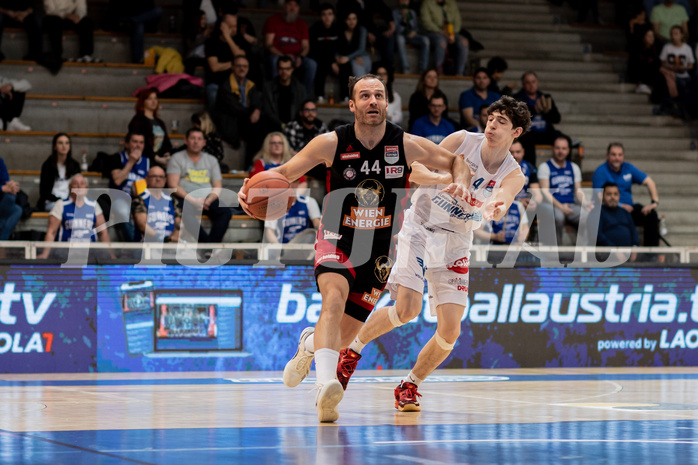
point(628, 442)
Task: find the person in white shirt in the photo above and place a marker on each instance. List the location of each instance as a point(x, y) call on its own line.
point(677, 59)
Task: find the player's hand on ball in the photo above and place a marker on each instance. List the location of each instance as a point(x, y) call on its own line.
point(242, 196)
point(493, 210)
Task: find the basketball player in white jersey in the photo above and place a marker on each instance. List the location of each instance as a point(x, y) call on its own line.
point(435, 239)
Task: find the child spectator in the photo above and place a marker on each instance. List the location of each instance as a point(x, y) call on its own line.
point(677, 59)
point(56, 172)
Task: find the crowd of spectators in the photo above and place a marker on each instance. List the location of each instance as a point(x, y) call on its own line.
point(262, 94)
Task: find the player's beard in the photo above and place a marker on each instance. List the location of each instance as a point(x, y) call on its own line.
point(363, 117)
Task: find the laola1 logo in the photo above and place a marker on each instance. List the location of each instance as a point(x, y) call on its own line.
point(17, 342)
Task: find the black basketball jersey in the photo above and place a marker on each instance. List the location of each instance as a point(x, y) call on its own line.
point(367, 188)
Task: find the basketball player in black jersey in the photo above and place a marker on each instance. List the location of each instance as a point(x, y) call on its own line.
point(369, 165)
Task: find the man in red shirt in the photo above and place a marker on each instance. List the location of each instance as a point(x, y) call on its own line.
point(286, 34)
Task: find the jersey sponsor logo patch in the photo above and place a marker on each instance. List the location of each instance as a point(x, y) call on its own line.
point(489, 188)
point(350, 156)
point(373, 297)
point(392, 154)
point(627, 177)
point(328, 256)
point(350, 148)
point(367, 218)
point(460, 266)
point(349, 173)
point(394, 172)
point(383, 266)
point(330, 235)
point(369, 193)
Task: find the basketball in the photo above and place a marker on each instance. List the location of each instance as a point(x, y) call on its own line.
point(269, 195)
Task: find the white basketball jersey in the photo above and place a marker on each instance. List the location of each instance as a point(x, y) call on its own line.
point(442, 211)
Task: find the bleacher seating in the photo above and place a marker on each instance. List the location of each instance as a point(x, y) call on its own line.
point(94, 101)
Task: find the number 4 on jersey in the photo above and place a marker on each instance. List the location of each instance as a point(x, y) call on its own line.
point(376, 168)
point(477, 183)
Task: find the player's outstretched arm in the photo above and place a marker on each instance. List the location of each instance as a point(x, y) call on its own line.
point(422, 175)
point(436, 157)
point(319, 150)
point(511, 185)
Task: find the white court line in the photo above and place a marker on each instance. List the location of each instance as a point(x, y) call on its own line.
point(475, 441)
point(407, 458)
point(426, 442)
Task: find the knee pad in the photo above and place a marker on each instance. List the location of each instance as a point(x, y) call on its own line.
point(442, 342)
point(394, 318)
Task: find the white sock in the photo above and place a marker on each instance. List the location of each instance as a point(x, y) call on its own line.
point(356, 345)
point(326, 361)
point(411, 378)
point(310, 343)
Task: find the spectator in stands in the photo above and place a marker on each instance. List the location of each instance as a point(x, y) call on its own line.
point(324, 37)
point(282, 96)
point(239, 109)
point(127, 167)
point(419, 101)
point(442, 22)
point(561, 183)
point(275, 152)
point(10, 212)
point(666, 16)
point(298, 226)
point(616, 227)
point(352, 57)
point(156, 215)
point(637, 26)
point(157, 142)
point(530, 195)
point(214, 144)
point(69, 14)
point(56, 172)
point(195, 37)
point(407, 32)
point(220, 49)
point(380, 32)
point(22, 13)
point(76, 219)
point(511, 229)
point(677, 59)
point(481, 119)
point(135, 15)
point(246, 39)
point(496, 68)
point(544, 114)
point(287, 35)
point(12, 94)
point(394, 99)
point(472, 99)
point(433, 126)
point(644, 64)
point(624, 175)
point(196, 178)
point(305, 127)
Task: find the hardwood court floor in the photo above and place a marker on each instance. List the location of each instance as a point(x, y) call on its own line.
point(537, 416)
